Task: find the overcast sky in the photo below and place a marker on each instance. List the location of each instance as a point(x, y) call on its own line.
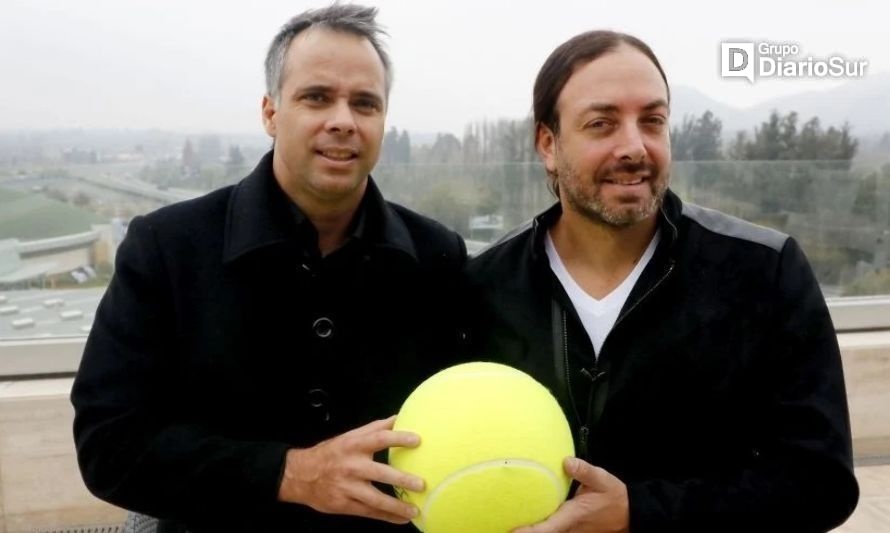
point(196, 66)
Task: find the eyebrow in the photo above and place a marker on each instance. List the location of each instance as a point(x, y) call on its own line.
point(655, 104)
point(370, 94)
point(611, 108)
point(327, 89)
point(311, 89)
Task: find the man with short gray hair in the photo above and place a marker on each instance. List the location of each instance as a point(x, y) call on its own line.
point(248, 355)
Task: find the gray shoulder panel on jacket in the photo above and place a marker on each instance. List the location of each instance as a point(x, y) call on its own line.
point(512, 234)
point(735, 227)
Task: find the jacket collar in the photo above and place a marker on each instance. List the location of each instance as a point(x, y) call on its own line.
point(384, 227)
point(669, 218)
point(668, 221)
point(260, 215)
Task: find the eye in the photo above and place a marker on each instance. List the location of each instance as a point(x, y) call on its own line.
point(656, 120)
point(367, 105)
point(314, 98)
point(597, 124)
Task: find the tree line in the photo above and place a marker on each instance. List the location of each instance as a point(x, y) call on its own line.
point(500, 141)
point(781, 137)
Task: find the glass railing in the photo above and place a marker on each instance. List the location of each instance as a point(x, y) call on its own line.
point(838, 214)
point(59, 228)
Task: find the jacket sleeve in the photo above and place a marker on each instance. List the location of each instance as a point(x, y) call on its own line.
point(136, 448)
point(799, 476)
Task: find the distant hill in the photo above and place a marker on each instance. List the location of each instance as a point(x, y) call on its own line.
point(865, 104)
point(688, 101)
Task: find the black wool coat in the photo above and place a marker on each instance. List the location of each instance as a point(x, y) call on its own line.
point(223, 340)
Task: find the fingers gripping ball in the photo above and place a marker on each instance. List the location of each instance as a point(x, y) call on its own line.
point(492, 445)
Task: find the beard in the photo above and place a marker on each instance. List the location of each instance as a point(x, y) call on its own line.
point(586, 197)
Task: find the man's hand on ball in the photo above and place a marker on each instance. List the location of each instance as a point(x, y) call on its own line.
point(335, 475)
point(599, 505)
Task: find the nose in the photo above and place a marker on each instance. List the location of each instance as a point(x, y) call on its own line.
point(341, 121)
point(630, 146)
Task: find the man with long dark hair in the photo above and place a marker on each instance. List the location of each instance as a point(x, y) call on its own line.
point(692, 352)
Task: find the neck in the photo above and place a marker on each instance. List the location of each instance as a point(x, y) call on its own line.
point(331, 216)
point(600, 256)
point(332, 227)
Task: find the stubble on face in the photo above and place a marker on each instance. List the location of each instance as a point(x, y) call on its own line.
point(584, 193)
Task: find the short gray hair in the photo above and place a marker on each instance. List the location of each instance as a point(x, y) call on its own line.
point(349, 18)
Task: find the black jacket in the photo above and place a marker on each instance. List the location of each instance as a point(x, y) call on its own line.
point(224, 339)
point(718, 397)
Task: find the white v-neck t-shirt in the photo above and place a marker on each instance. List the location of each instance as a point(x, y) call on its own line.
point(598, 316)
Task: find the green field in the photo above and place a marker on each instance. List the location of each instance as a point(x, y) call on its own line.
point(29, 216)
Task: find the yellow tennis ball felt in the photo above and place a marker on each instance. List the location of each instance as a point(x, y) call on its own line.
point(492, 444)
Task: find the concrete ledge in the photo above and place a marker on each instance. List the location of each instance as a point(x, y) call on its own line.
point(867, 374)
point(41, 488)
point(40, 485)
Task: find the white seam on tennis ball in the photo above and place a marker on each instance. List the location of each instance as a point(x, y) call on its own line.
point(557, 485)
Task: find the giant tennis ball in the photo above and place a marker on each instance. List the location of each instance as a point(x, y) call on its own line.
point(492, 444)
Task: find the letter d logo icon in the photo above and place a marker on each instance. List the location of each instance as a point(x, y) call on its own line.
point(737, 60)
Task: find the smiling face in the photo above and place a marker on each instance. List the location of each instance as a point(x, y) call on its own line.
point(328, 124)
point(611, 156)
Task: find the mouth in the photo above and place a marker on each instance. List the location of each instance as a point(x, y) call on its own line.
point(338, 155)
point(626, 182)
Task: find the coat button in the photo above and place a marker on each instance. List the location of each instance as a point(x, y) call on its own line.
point(317, 398)
point(323, 327)
point(318, 402)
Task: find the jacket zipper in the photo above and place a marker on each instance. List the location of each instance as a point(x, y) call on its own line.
point(584, 427)
point(584, 431)
point(645, 295)
point(655, 286)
